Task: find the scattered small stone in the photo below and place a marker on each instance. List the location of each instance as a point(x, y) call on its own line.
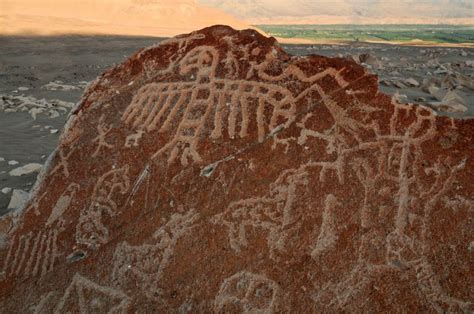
point(412, 82)
point(2, 159)
point(6, 190)
point(13, 162)
point(53, 131)
point(26, 169)
point(400, 98)
point(452, 108)
point(451, 102)
point(437, 92)
point(18, 199)
point(58, 85)
point(22, 88)
point(453, 97)
point(386, 82)
point(398, 84)
point(53, 114)
point(35, 111)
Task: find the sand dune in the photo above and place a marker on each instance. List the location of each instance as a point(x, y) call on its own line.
point(348, 11)
point(347, 19)
point(117, 17)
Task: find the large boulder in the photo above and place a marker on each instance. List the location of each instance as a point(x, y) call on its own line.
point(215, 172)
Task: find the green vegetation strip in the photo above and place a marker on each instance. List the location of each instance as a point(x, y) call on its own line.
point(399, 33)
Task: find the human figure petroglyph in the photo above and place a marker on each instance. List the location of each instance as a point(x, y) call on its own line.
point(202, 97)
point(63, 163)
point(103, 129)
point(270, 213)
point(247, 292)
point(395, 158)
point(90, 229)
point(144, 265)
point(86, 296)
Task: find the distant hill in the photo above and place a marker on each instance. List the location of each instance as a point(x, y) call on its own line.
point(118, 17)
point(349, 11)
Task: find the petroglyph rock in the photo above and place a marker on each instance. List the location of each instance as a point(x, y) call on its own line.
point(216, 173)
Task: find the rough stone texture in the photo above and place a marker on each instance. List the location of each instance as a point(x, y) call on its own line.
point(215, 172)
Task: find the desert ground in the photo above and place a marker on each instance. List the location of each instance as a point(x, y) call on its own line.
point(41, 78)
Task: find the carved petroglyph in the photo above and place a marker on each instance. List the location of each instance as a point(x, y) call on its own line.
point(133, 139)
point(32, 254)
point(327, 235)
point(102, 129)
point(271, 213)
point(224, 102)
point(63, 163)
point(85, 296)
point(142, 266)
point(394, 158)
point(91, 229)
point(247, 292)
point(62, 203)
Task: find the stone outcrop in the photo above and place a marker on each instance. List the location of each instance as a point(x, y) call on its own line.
point(215, 172)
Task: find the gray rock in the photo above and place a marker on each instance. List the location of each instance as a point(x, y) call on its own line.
point(35, 111)
point(412, 82)
point(6, 190)
point(18, 199)
point(437, 92)
point(13, 162)
point(26, 169)
point(53, 114)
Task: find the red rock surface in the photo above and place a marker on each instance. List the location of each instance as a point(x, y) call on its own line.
point(215, 172)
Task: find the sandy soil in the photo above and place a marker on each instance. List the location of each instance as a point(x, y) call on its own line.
point(29, 64)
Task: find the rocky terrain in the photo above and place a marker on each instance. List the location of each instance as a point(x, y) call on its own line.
point(216, 172)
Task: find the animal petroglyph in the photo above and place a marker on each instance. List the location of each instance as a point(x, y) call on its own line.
point(90, 229)
point(270, 213)
point(230, 105)
point(144, 265)
point(247, 292)
point(85, 296)
point(133, 139)
point(32, 254)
